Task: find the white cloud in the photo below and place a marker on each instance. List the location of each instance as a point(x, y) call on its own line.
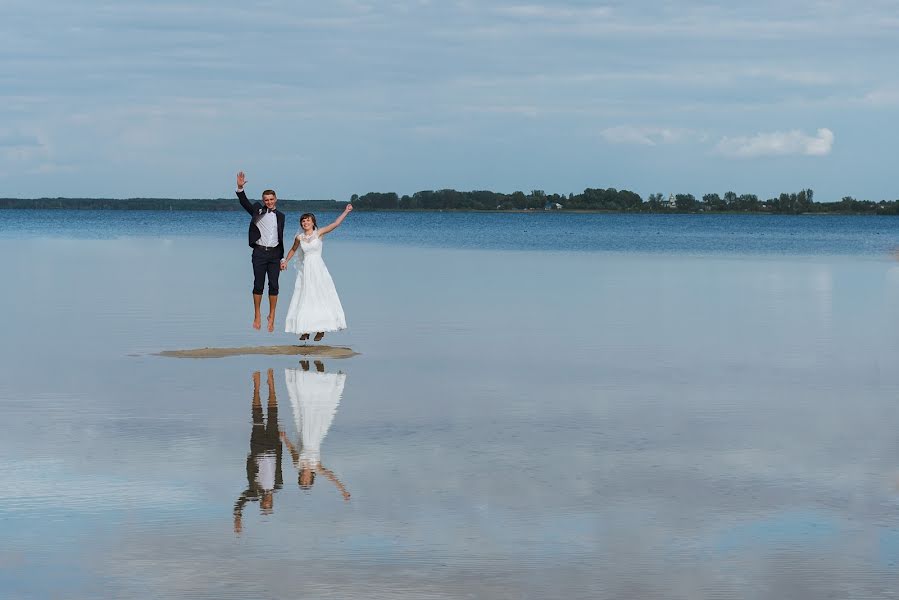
point(777, 143)
point(648, 136)
point(434, 131)
point(16, 145)
point(538, 11)
point(806, 19)
point(795, 75)
point(882, 97)
point(17, 139)
point(524, 110)
point(49, 168)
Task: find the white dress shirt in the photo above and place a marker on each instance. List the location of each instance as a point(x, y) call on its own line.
point(268, 230)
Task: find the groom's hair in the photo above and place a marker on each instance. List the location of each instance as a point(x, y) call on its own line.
point(269, 193)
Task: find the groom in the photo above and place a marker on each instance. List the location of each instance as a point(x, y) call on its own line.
point(267, 241)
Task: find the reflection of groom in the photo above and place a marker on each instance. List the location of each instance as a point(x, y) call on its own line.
point(264, 460)
point(267, 241)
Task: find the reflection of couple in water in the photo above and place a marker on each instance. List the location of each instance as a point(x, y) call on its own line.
point(314, 397)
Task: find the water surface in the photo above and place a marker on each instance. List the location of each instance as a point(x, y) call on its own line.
point(734, 234)
point(523, 420)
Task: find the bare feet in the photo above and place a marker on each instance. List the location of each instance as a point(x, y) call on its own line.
point(318, 336)
point(257, 317)
point(271, 323)
point(304, 337)
point(319, 366)
point(304, 364)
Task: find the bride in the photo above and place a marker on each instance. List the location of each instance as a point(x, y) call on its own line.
point(314, 396)
point(315, 306)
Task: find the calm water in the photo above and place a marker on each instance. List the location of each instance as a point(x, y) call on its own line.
point(679, 234)
point(544, 406)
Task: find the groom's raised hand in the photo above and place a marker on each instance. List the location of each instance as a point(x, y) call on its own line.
point(241, 180)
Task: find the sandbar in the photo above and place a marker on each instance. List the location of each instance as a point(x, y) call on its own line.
point(291, 350)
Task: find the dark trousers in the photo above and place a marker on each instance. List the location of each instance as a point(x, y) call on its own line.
point(266, 262)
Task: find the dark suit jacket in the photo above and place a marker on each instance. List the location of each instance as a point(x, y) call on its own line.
point(257, 211)
point(264, 437)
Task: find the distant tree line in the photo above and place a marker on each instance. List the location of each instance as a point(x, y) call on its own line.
point(614, 200)
point(597, 199)
point(215, 204)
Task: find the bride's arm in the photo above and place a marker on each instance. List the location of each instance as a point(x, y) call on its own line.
point(293, 449)
point(333, 478)
point(336, 223)
point(290, 253)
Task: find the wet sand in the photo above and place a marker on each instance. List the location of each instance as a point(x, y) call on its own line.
point(305, 350)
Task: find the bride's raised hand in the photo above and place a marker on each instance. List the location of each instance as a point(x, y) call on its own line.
point(348, 209)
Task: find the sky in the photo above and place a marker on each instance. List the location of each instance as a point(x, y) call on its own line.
point(326, 99)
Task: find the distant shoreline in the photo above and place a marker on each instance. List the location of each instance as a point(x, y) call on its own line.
point(227, 205)
point(231, 205)
point(156, 204)
point(591, 201)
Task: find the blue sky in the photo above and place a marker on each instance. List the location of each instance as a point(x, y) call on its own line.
point(327, 99)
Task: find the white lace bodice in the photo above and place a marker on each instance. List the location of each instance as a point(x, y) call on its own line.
point(310, 245)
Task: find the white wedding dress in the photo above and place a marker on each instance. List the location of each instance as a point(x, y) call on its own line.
point(314, 397)
point(315, 305)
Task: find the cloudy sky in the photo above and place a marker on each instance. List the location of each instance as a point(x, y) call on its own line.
point(327, 99)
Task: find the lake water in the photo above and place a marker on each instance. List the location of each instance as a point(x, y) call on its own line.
point(543, 406)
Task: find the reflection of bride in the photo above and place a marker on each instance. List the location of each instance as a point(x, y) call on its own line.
point(314, 396)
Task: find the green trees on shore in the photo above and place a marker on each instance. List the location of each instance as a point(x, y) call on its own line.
point(614, 200)
point(592, 199)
